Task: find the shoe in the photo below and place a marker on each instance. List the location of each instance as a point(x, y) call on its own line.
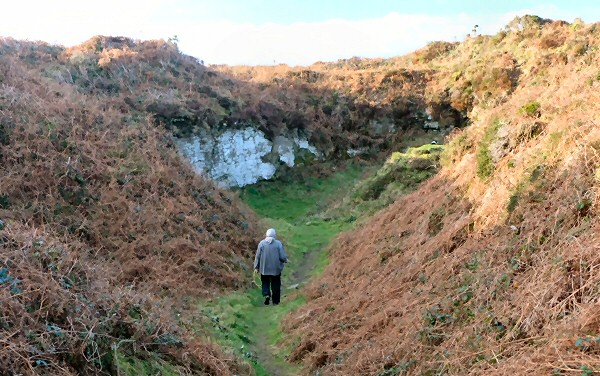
point(275, 303)
point(267, 300)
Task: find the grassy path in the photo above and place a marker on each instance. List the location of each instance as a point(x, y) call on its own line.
point(241, 322)
point(307, 213)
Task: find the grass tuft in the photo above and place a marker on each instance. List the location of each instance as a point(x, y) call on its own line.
point(485, 163)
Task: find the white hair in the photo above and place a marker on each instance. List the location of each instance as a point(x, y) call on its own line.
point(271, 233)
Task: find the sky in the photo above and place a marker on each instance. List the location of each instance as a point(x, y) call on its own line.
point(293, 32)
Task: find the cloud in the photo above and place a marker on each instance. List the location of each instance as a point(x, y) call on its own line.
point(305, 43)
point(70, 22)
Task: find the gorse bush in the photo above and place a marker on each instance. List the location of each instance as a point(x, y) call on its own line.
point(402, 171)
point(485, 163)
point(530, 109)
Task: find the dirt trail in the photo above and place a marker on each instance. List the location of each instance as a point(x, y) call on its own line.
point(264, 350)
point(305, 267)
point(264, 353)
point(295, 209)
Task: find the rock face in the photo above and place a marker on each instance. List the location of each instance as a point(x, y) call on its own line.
point(238, 157)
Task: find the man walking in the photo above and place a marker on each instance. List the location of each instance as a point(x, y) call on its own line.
point(269, 260)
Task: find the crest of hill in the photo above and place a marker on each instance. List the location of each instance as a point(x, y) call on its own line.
point(336, 108)
point(344, 105)
point(490, 266)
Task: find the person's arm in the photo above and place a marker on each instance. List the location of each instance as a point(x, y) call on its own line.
point(282, 256)
point(257, 258)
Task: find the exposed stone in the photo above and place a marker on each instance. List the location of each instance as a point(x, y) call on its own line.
point(303, 144)
point(431, 125)
point(358, 151)
point(285, 148)
point(239, 157)
point(232, 158)
point(444, 115)
point(382, 127)
point(500, 147)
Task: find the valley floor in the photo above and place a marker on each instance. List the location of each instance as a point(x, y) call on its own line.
point(308, 209)
point(241, 322)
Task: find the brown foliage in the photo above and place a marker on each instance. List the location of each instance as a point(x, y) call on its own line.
point(472, 276)
point(62, 315)
point(101, 217)
point(106, 231)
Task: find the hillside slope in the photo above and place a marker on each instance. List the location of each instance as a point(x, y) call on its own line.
point(105, 232)
point(490, 266)
point(108, 235)
point(353, 104)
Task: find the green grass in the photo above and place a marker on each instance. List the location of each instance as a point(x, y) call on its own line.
point(400, 174)
point(307, 212)
point(132, 366)
point(485, 163)
point(295, 199)
point(530, 109)
point(240, 321)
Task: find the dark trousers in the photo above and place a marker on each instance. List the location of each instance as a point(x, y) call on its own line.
point(271, 283)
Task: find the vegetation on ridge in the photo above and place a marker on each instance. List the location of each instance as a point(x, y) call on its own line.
point(105, 231)
point(488, 268)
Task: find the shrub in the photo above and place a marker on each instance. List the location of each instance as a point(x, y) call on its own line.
point(485, 163)
point(436, 221)
point(434, 50)
point(496, 39)
point(407, 170)
point(527, 131)
point(531, 109)
point(527, 22)
point(512, 203)
point(455, 150)
point(553, 40)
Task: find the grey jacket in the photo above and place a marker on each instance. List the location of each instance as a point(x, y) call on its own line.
point(270, 257)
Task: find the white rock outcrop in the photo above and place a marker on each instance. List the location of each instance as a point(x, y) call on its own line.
point(240, 157)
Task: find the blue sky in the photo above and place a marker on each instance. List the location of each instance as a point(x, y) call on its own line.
point(263, 11)
point(295, 32)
